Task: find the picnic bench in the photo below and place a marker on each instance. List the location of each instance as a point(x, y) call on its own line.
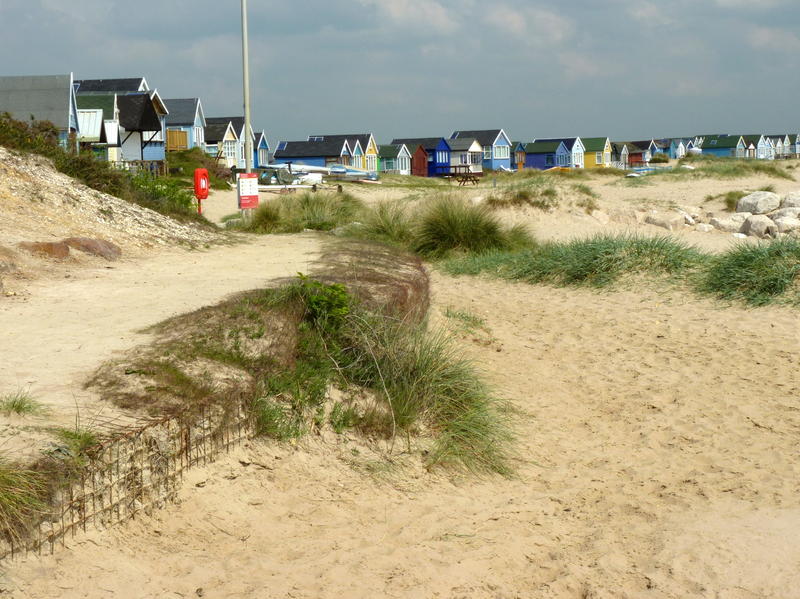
point(463, 174)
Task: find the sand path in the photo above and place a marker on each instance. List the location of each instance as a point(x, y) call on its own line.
point(56, 335)
point(658, 458)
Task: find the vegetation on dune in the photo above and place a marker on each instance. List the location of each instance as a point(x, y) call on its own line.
point(161, 194)
point(595, 262)
point(724, 168)
point(756, 274)
point(22, 495)
point(183, 164)
point(730, 199)
point(296, 213)
point(20, 403)
point(397, 379)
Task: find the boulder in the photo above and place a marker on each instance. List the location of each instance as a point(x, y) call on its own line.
point(670, 222)
point(96, 247)
point(600, 217)
point(688, 219)
point(787, 224)
point(759, 202)
point(731, 223)
point(760, 225)
point(702, 228)
point(791, 200)
point(785, 212)
point(48, 249)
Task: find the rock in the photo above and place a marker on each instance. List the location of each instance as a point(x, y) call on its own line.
point(693, 211)
point(730, 224)
point(688, 219)
point(96, 247)
point(785, 212)
point(601, 217)
point(740, 236)
point(787, 224)
point(670, 222)
point(759, 202)
point(58, 250)
point(791, 200)
point(760, 225)
point(704, 228)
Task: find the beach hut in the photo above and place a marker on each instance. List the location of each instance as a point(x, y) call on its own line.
point(576, 149)
point(545, 154)
point(395, 159)
point(261, 150)
point(107, 105)
point(362, 148)
point(597, 152)
point(466, 152)
point(621, 154)
point(724, 146)
point(518, 155)
point(43, 98)
point(437, 150)
point(678, 148)
point(496, 147)
point(223, 143)
point(186, 124)
point(313, 153)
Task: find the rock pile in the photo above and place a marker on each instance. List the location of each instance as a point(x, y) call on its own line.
point(762, 214)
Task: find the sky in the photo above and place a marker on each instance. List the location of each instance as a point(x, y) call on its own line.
point(627, 69)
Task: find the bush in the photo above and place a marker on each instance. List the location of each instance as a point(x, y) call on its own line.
point(449, 224)
point(659, 158)
point(296, 213)
point(756, 274)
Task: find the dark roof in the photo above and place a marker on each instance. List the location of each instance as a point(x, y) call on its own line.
point(137, 113)
point(389, 150)
point(110, 85)
point(46, 98)
point(485, 137)
point(214, 132)
point(362, 138)
point(99, 102)
point(181, 111)
point(642, 145)
point(429, 143)
point(309, 149)
point(721, 141)
point(461, 144)
point(543, 147)
point(567, 141)
point(594, 144)
point(238, 122)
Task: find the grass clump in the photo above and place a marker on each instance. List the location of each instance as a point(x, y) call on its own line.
point(467, 320)
point(295, 213)
point(756, 274)
point(20, 403)
point(725, 168)
point(389, 223)
point(21, 498)
point(595, 262)
point(730, 199)
point(409, 382)
point(449, 225)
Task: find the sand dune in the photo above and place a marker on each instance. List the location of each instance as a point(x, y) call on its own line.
point(657, 440)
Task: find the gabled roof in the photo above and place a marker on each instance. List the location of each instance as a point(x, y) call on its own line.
point(486, 137)
point(642, 145)
point(362, 139)
point(594, 144)
point(46, 98)
point(137, 112)
point(262, 135)
point(545, 147)
point(310, 149)
point(215, 132)
point(429, 143)
point(569, 142)
point(721, 141)
point(462, 144)
point(183, 111)
point(236, 121)
point(91, 125)
point(392, 150)
point(129, 85)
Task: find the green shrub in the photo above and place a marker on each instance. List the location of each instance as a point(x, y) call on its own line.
point(296, 213)
point(387, 222)
point(756, 274)
point(659, 158)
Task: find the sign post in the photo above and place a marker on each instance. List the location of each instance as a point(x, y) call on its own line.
point(247, 188)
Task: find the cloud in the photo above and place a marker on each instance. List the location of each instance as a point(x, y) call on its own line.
point(649, 14)
point(425, 14)
point(534, 25)
point(750, 4)
point(774, 38)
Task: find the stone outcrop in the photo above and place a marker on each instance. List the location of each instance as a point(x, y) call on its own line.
point(791, 200)
point(760, 225)
point(760, 202)
point(670, 222)
point(96, 247)
point(57, 250)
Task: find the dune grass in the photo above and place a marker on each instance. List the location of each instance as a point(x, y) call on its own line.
point(294, 213)
point(596, 262)
point(20, 403)
point(418, 382)
point(730, 199)
point(724, 168)
point(21, 497)
point(756, 274)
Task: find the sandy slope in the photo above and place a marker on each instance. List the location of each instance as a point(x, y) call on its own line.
point(658, 458)
point(57, 333)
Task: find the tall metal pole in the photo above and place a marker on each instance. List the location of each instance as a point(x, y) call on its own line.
point(248, 144)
